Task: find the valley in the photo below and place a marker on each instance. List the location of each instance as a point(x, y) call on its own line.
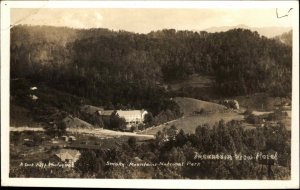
point(98, 95)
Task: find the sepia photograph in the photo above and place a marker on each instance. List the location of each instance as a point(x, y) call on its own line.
point(158, 92)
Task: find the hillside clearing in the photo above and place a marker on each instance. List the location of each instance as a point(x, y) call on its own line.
point(197, 112)
point(189, 123)
point(190, 105)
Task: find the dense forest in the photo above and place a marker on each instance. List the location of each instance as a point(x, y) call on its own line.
point(286, 38)
point(121, 68)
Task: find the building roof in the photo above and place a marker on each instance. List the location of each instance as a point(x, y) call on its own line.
point(125, 113)
point(64, 154)
point(130, 113)
point(33, 97)
point(33, 88)
point(106, 112)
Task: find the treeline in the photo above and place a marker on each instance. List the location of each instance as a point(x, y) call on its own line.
point(286, 38)
point(52, 106)
point(176, 146)
point(118, 67)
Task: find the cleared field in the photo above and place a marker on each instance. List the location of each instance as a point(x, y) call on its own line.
point(212, 113)
point(190, 123)
point(190, 105)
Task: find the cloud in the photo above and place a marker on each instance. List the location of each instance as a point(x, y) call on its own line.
point(76, 18)
point(145, 20)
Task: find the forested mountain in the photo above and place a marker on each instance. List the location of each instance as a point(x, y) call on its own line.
point(286, 38)
point(119, 67)
point(269, 32)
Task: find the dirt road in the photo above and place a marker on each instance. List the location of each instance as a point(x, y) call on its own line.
point(109, 133)
point(94, 132)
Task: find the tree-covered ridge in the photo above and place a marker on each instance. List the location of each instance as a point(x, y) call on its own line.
point(286, 38)
point(241, 61)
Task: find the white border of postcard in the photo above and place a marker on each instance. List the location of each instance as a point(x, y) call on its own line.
point(142, 183)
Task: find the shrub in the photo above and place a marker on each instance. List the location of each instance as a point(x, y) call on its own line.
point(248, 112)
point(253, 119)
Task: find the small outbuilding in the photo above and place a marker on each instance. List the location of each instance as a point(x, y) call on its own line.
point(33, 88)
point(33, 97)
point(68, 155)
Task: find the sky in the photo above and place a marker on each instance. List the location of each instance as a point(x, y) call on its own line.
point(144, 20)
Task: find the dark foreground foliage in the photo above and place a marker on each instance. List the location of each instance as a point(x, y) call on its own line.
point(173, 146)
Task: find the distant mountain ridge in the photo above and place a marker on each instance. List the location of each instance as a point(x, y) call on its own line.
point(269, 32)
point(286, 38)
